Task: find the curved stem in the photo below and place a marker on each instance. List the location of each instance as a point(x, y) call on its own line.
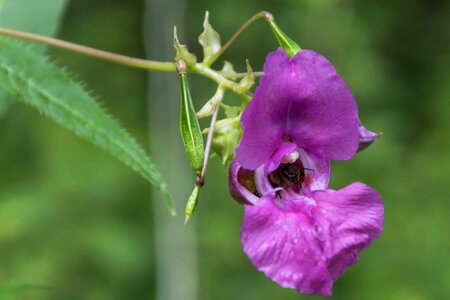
point(221, 80)
point(262, 14)
point(209, 142)
point(105, 55)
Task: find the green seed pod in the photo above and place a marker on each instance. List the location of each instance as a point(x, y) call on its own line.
point(189, 126)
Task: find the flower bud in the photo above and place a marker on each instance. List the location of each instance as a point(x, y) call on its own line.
point(191, 204)
point(227, 134)
point(290, 47)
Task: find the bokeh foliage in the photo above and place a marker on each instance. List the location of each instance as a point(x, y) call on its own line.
point(75, 219)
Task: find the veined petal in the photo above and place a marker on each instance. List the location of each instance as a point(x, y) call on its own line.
point(318, 173)
point(302, 100)
point(309, 245)
point(356, 217)
point(280, 244)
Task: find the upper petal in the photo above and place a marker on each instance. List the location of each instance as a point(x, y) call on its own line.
point(301, 99)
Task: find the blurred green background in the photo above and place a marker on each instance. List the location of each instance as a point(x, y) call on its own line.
point(75, 219)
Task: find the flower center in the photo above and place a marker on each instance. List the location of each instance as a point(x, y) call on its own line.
point(288, 176)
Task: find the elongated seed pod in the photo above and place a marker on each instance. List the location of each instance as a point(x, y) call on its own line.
point(189, 126)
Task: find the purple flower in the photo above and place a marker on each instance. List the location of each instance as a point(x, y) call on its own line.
point(298, 232)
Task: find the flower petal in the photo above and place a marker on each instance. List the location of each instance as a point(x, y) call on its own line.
point(301, 99)
point(366, 137)
point(310, 243)
point(280, 244)
point(239, 181)
point(262, 182)
point(318, 173)
point(356, 216)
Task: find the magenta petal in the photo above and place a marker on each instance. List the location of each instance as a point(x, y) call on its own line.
point(279, 244)
point(356, 215)
point(301, 99)
point(262, 182)
point(366, 137)
point(239, 192)
point(319, 175)
point(309, 245)
point(275, 160)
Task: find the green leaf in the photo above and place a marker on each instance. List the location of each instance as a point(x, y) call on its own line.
point(290, 47)
point(5, 103)
point(210, 41)
point(13, 290)
point(32, 79)
point(182, 51)
point(189, 126)
point(40, 17)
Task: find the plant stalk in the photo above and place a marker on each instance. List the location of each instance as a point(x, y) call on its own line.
point(105, 55)
point(200, 180)
point(262, 14)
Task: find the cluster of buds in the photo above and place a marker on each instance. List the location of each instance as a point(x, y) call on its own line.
point(223, 135)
